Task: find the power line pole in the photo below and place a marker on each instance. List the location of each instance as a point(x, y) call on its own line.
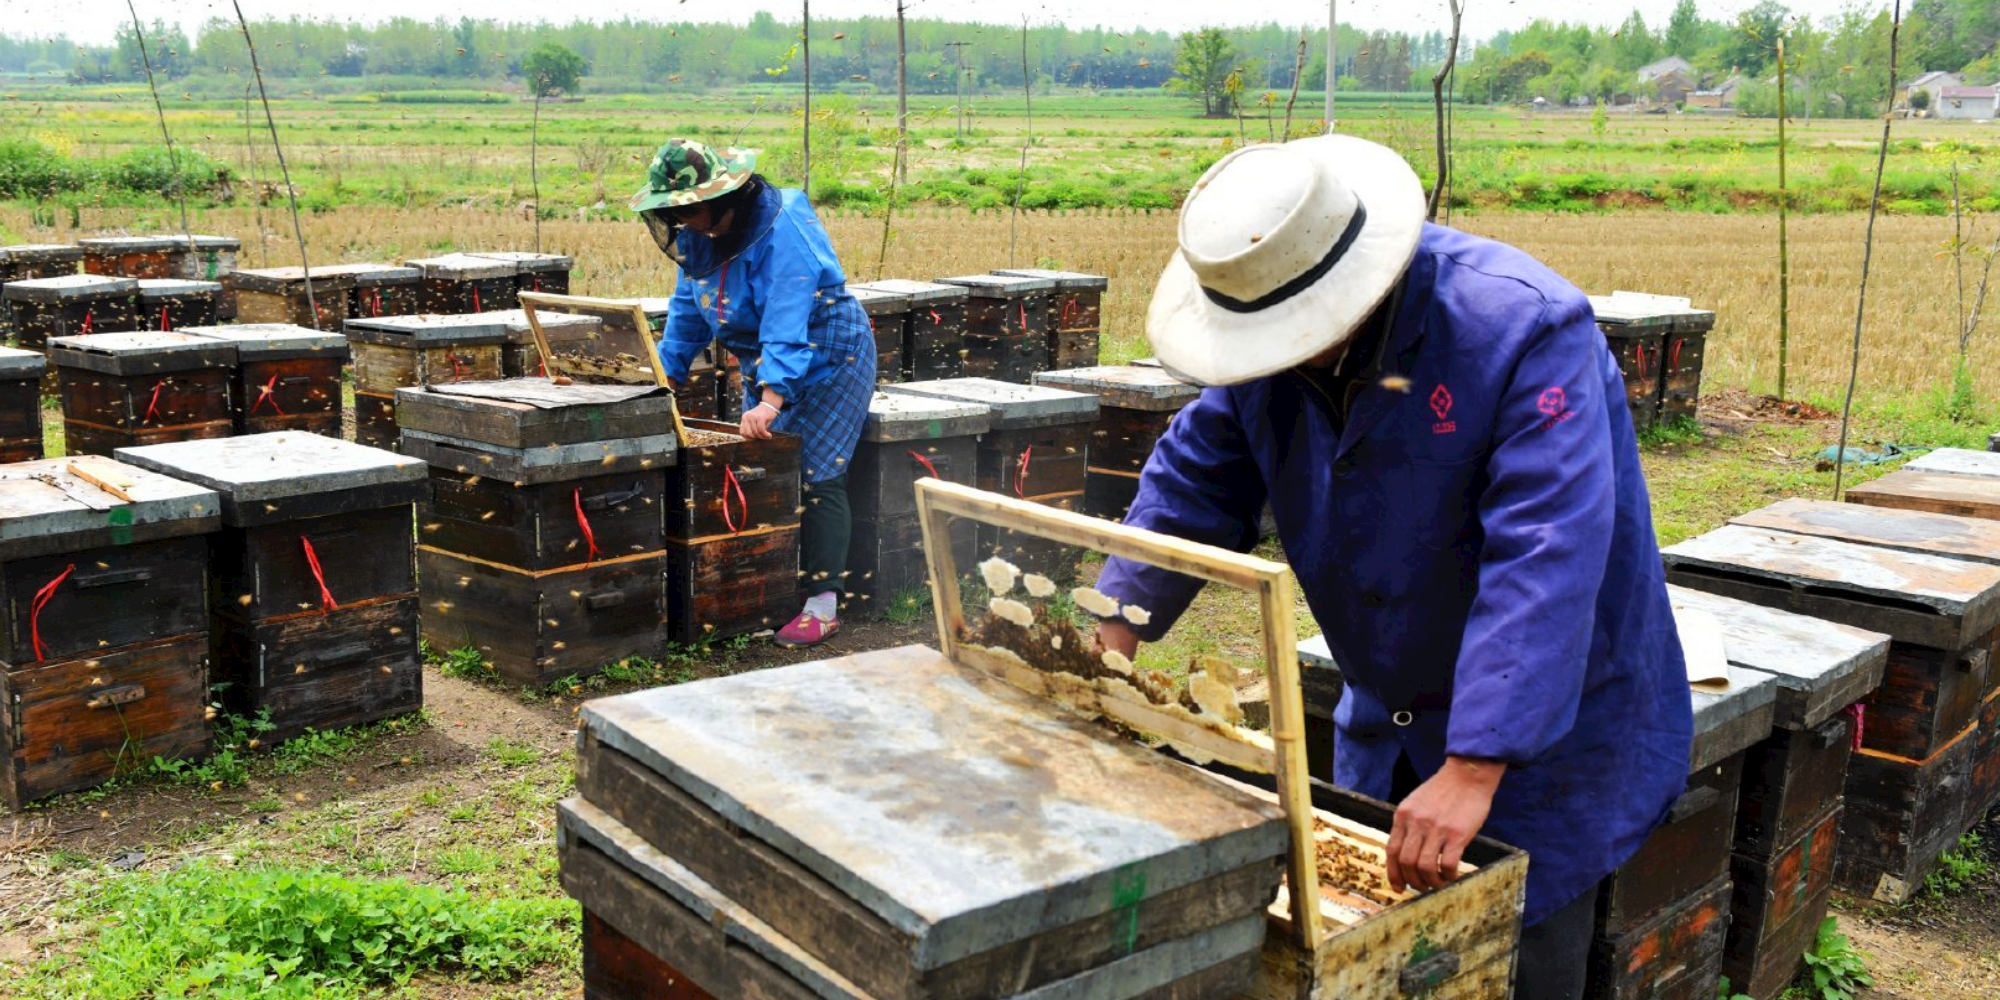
point(1332, 50)
point(806, 121)
point(902, 100)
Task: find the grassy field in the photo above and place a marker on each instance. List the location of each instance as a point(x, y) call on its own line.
point(108, 893)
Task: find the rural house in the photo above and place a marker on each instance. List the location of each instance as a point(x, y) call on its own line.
point(1722, 95)
point(1669, 80)
point(1967, 103)
point(1654, 70)
point(1932, 83)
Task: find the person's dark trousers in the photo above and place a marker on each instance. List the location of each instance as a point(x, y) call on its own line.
point(1554, 958)
point(824, 530)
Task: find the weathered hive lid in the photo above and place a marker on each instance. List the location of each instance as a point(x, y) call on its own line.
point(559, 463)
point(531, 263)
point(904, 417)
point(203, 241)
point(655, 307)
point(1931, 600)
point(960, 811)
point(1014, 405)
point(1821, 667)
point(70, 287)
point(1733, 719)
point(373, 275)
point(1642, 312)
point(274, 341)
point(286, 475)
point(428, 330)
point(46, 509)
point(143, 352)
point(155, 289)
point(44, 253)
point(1000, 286)
point(877, 302)
point(1956, 462)
point(1125, 387)
point(16, 363)
point(97, 246)
point(519, 332)
point(1065, 280)
point(918, 291)
point(535, 412)
point(1315, 654)
point(289, 280)
point(464, 267)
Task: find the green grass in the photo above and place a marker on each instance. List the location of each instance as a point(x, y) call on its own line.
point(279, 932)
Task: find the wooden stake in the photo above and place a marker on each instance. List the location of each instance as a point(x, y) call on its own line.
point(1868, 254)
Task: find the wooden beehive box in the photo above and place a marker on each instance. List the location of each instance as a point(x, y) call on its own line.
point(1008, 325)
point(29, 261)
point(286, 378)
point(1321, 681)
point(933, 330)
point(700, 395)
point(732, 523)
point(395, 352)
point(957, 837)
point(542, 539)
point(467, 283)
point(906, 438)
point(41, 309)
point(129, 256)
point(1659, 341)
point(1356, 938)
point(888, 315)
point(521, 356)
point(1136, 405)
point(288, 295)
point(379, 289)
point(167, 304)
point(1077, 314)
point(105, 649)
point(314, 600)
point(122, 389)
point(1904, 574)
point(201, 257)
point(536, 272)
point(1038, 450)
point(620, 350)
point(21, 374)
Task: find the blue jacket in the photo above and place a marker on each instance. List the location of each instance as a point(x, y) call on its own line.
point(764, 302)
point(1478, 548)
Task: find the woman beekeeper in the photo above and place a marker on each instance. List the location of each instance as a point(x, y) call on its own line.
point(759, 275)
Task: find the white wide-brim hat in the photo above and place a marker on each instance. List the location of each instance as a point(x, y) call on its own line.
point(1284, 251)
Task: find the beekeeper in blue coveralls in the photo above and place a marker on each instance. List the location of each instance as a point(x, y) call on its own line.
point(1440, 432)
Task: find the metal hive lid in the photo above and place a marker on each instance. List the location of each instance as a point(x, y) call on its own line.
point(1014, 405)
point(531, 263)
point(519, 332)
point(16, 363)
point(70, 286)
point(140, 352)
point(1642, 312)
point(464, 267)
point(1129, 387)
point(1000, 286)
point(44, 253)
point(259, 340)
point(950, 804)
point(125, 244)
point(1065, 280)
point(254, 471)
point(535, 412)
point(203, 241)
point(167, 288)
point(905, 417)
point(287, 280)
point(877, 302)
point(373, 275)
point(46, 509)
point(428, 329)
point(918, 291)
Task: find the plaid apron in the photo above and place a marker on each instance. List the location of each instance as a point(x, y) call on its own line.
point(828, 414)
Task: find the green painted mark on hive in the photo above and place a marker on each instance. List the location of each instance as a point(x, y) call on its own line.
point(595, 418)
point(934, 429)
point(1128, 890)
point(120, 521)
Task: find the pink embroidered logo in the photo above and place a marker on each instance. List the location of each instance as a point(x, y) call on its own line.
point(1441, 405)
point(1553, 401)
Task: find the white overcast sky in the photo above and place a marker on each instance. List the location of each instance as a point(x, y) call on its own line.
point(94, 20)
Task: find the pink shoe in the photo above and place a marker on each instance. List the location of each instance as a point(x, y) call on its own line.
point(807, 629)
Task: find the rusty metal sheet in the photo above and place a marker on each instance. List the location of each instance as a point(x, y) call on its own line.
point(1957, 462)
point(1140, 973)
point(1957, 587)
point(1820, 666)
point(1887, 527)
point(961, 810)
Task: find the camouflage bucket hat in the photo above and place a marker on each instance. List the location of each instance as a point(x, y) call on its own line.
point(685, 171)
